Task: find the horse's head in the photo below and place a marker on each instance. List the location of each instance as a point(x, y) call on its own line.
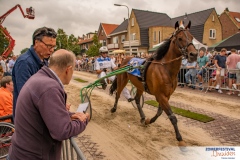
point(183, 41)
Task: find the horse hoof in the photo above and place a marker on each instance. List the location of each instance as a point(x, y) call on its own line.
point(113, 110)
point(147, 121)
point(182, 145)
point(143, 121)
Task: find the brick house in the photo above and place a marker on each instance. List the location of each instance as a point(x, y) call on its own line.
point(230, 23)
point(142, 29)
point(85, 42)
point(205, 26)
point(150, 28)
point(103, 35)
point(118, 36)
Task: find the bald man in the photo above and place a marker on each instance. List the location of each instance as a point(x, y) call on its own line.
point(42, 120)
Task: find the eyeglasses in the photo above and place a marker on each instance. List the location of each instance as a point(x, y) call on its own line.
point(104, 53)
point(48, 46)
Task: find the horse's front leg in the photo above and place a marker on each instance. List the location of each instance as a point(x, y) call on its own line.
point(167, 109)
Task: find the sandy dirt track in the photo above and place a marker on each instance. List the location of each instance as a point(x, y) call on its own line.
point(120, 136)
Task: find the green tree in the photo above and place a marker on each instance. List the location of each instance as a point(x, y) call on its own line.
point(94, 49)
point(67, 42)
point(24, 50)
point(3, 42)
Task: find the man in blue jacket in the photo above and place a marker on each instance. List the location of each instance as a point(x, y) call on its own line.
point(44, 43)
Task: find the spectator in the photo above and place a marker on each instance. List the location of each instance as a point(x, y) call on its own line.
point(4, 66)
point(232, 61)
point(42, 120)
point(220, 63)
point(11, 64)
point(6, 96)
point(202, 62)
point(44, 43)
point(1, 73)
point(192, 71)
point(212, 81)
point(237, 85)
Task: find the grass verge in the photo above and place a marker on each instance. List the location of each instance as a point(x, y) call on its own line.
point(80, 80)
point(185, 113)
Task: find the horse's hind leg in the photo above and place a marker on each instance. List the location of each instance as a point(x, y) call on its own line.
point(159, 113)
point(137, 100)
point(122, 81)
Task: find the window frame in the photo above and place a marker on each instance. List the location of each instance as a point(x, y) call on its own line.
point(212, 33)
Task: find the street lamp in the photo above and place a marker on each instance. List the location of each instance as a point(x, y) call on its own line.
point(130, 50)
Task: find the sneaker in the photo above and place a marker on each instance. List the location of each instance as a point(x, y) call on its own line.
point(220, 91)
point(104, 84)
point(234, 86)
point(217, 87)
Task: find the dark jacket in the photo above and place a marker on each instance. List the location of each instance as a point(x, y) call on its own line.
point(42, 120)
point(26, 65)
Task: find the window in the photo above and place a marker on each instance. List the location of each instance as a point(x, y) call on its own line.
point(213, 18)
point(115, 39)
point(122, 38)
point(104, 43)
point(154, 36)
point(132, 21)
point(237, 19)
point(102, 32)
point(212, 34)
point(133, 37)
point(159, 36)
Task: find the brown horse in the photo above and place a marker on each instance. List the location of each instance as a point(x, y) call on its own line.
point(161, 75)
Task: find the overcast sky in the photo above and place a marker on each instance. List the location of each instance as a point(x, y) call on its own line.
point(79, 17)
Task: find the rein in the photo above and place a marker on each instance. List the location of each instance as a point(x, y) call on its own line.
point(163, 63)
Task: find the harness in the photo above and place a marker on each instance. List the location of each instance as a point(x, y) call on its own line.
point(182, 49)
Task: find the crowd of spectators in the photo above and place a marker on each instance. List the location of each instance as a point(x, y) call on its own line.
point(85, 63)
point(218, 71)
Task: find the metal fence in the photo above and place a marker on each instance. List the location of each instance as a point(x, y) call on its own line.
point(71, 151)
point(209, 79)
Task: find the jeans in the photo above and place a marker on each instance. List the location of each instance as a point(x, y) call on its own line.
point(193, 78)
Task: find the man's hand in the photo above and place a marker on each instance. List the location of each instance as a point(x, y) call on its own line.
point(104, 69)
point(68, 106)
point(81, 116)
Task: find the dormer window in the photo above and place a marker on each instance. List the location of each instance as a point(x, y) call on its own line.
point(237, 19)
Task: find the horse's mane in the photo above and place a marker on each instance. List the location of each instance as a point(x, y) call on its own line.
point(162, 50)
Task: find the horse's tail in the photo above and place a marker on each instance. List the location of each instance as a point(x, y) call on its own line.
point(113, 86)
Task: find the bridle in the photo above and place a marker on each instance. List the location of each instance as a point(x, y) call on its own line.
point(182, 49)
